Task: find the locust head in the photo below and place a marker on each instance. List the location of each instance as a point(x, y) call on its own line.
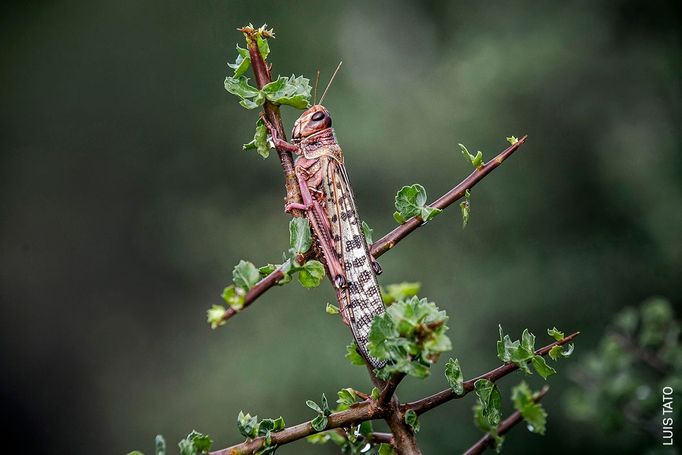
point(312, 121)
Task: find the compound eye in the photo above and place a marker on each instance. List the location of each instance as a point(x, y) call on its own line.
point(318, 116)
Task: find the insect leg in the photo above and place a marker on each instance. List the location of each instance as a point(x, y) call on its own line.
point(280, 143)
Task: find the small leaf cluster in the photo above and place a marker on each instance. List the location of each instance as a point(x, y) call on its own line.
point(454, 376)
point(319, 423)
point(411, 201)
point(521, 352)
point(353, 440)
point(194, 444)
point(409, 336)
point(475, 160)
point(245, 275)
point(291, 91)
point(250, 427)
point(532, 412)
point(618, 385)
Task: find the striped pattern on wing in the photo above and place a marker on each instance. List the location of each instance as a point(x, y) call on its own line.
point(361, 300)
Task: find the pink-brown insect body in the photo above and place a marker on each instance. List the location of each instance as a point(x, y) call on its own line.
point(320, 168)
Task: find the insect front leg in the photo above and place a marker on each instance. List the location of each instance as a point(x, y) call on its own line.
point(280, 144)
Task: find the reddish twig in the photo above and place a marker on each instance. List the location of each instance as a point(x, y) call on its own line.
point(437, 399)
point(392, 238)
point(504, 426)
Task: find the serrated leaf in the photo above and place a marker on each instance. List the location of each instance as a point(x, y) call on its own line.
point(353, 356)
point(528, 340)
point(263, 46)
point(250, 96)
point(331, 309)
point(242, 63)
point(541, 367)
point(300, 237)
point(195, 444)
point(312, 274)
point(412, 420)
point(411, 201)
point(555, 333)
point(476, 161)
point(512, 140)
point(247, 425)
point(490, 400)
point(245, 275)
point(453, 373)
point(347, 397)
point(260, 140)
point(293, 91)
point(367, 231)
point(532, 412)
point(214, 316)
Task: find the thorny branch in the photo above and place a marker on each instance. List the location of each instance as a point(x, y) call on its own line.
point(506, 425)
point(396, 235)
point(393, 412)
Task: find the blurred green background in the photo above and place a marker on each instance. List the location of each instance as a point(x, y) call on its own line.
point(126, 200)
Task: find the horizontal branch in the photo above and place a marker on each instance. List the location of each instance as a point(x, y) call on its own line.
point(504, 426)
point(396, 235)
point(392, 238)
point(446, 395)
point(367, 410)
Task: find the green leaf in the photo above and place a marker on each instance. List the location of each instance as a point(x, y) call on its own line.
point(465, 208)
point(293, 91)
point(159, 445)
point(263, 46)
point(489, 397)
point(247, 425)
point(375, 393)
point(386, 449)
point(234, 296)
point(353, 356)
point(312, 274)
point(300, 237)
point(242, 63)
point(412, 420)
point(332, 309)
point(215, 316)
point(561, 351)
point(512, 140)
point(627, 320)
point(367, 231)
point(482, 423)
point(477, 160)
point(532, 412)
point(319, 423)
point(541, 367)
point(245, 275)
point(195, 444)
point(314, 406)
point(250, 97)
point(135, 452)
point(453, 373)
point(555, 333)
point(260, 140)
point(266, 270)
point(347, 397)
point(400, 291)
point(411, 201)
point(528, 340)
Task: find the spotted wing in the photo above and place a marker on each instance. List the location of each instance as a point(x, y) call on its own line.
point(361, 300)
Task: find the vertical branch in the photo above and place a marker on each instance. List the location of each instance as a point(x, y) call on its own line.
point(261, 72)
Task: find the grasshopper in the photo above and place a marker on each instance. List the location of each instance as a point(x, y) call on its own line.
point(329, 205)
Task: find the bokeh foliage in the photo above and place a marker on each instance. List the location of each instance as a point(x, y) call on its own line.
point(126, 200)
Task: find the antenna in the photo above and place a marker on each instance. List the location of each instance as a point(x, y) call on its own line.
point(317, 79)
point(330, 82)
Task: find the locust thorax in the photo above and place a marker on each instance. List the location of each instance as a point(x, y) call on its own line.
point(312, 121)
